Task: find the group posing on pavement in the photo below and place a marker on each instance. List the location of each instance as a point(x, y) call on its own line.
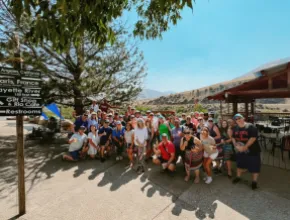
point(197, 140)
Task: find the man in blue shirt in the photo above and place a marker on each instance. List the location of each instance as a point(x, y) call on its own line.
point(81, 121)
point(118, 139)
point(105, 133)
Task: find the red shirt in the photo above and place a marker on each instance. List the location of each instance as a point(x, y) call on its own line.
point(166, 150)
point(104, 107)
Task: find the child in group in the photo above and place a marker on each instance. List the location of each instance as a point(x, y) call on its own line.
point(94, 141)
point(129, 141)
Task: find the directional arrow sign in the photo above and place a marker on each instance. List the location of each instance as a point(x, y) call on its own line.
point(19, 111)
point(20, 102)
point(19, 82)
point(20, 92)
point(6, 71)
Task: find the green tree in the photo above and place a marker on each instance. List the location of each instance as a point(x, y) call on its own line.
point(66, 22)
point(85, 70)
point(199, 108)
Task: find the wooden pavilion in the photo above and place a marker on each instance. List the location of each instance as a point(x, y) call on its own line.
point(272, 81)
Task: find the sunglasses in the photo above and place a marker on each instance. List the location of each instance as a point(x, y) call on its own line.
point(186, 132)
point(199, 119)
point(237, 119)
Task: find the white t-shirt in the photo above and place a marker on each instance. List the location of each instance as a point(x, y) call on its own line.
point(128, 136)
point(95, 107)
point(95, 138)
point(81, 139)
point(141, 135)
point(207, 143)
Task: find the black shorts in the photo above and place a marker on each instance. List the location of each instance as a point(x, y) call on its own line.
point(250, 162)
point(104, 142)
point(165, 161)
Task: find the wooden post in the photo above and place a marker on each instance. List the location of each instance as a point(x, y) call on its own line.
point(20, 139)
point(270, 83)
point(288, 76)
point(228, 108)
point(253, 107)
point(235, 107)
point(221, 109)
point(20, 159)
point(246, 110)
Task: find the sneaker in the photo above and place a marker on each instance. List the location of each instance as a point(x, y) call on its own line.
point(209, 180)
point(121, 158)
point(205, 178)
point(236, 180)
point(117, 158)
point(254, 185)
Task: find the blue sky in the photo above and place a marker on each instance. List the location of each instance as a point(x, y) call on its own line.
point(220, 40)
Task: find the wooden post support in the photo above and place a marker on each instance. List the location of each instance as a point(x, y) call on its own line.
point(246, 110)
point(252, 107)
point(228, 108)
point(288, 76)
point(20, 140)
point(221, 109)
point(20, 159)
point(235, 108)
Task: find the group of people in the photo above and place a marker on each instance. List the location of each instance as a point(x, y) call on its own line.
point(197, 140)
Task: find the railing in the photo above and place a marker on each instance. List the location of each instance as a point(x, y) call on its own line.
point(259, 116)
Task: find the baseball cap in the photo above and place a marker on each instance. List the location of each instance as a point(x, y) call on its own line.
point(152, 114)
point(82, 128)
point(137, 111)
point(210, 119)
point(148, 111)
point(118, 123)
point(107, 121)
point(164, 135)
point(110, 114)
point(132, 116)
point(160, 117)
point(94, 113)
point(121, 116)
point(238, 115)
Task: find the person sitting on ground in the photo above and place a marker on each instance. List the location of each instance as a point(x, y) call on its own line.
point(105, 133)
point(118, 139)
point(129, 140)
point(94, 141)
point(248, 149)
point(165, 154)
point(78, 145)
point(193, 152)
point(210, 153)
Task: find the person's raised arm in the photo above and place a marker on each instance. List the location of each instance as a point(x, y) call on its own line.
point(183, 144)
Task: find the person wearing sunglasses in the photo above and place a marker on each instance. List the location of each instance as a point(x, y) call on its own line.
point(189, 125)
point(193, 153)
point(165, 154)
point(199, 127)
point(248, 149)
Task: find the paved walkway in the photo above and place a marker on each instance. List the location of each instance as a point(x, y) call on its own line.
point(91, 190)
